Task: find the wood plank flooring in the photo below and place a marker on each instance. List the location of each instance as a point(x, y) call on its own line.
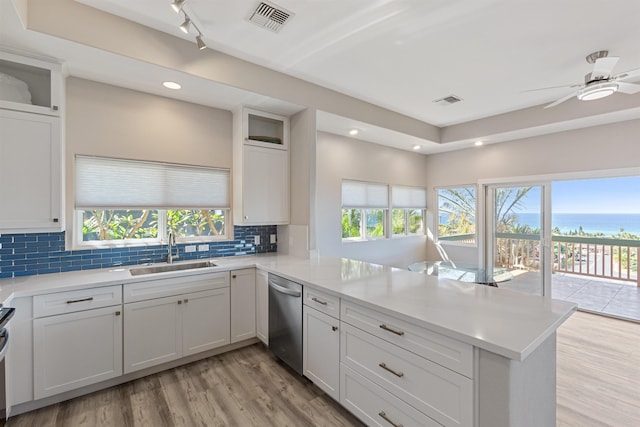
point(246, 387)
point(598, 373)
point(598, 385)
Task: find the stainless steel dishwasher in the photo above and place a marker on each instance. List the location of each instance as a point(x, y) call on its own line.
point(285, 321)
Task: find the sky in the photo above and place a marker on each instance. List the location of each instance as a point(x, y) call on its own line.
point(605, 195)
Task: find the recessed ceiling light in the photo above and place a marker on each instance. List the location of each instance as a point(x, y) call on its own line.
point(478, 143)
point(354, 132)
point(417, 147)
point(171, 85)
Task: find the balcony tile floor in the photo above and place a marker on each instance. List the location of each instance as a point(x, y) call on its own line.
point(606, 297)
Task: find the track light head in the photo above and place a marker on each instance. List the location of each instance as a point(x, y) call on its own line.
point(177, 5)
point(185, 25)
point(201, 44)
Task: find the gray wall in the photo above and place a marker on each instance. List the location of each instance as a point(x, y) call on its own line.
point(341, 158)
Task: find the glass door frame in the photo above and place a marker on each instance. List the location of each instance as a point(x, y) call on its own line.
point(486, 232)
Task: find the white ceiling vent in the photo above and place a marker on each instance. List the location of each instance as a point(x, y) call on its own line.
point(448, 100)
point(270, 16)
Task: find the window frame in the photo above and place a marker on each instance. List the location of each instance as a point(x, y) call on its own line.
point(437, 237)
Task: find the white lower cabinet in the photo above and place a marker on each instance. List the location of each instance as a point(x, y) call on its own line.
point(76, 349)
point(243, 304)
point(262, 306)
point(164, 329)
point(376, 406)
point(321, 351)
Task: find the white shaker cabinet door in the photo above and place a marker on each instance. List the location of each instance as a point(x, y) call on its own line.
point(243, 304)
point(152, 333)
point(265, 196)
point(321, 351)
point(205, 320)
point(77, 349)
point(30, 172)
point(262, 306)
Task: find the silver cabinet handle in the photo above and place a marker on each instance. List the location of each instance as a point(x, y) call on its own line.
point(319, 301)
point(393, 331)
point(73, 301)
point(393, 371)
point(384, 417)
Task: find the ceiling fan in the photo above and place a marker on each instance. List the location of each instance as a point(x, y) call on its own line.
point(599, 83)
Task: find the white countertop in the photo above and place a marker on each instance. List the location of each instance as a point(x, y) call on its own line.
point(501, 321)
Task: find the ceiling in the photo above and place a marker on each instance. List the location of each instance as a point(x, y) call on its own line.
point(398, 54)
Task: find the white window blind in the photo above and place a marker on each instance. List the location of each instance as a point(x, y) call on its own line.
point(114, 183)
point(357, 194)
point(408, 197)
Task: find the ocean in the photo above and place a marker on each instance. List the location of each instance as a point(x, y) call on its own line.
point(608, 224)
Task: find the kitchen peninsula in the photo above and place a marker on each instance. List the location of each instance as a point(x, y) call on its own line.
point(438, 352)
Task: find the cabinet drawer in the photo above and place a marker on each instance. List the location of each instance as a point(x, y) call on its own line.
point(159, 288)
point(72, 301)
point(322, 301)
point(440, 393)
point(445, 351)
point(375, 406)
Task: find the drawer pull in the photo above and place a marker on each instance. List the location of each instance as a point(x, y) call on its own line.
point(319, 301)
point(117, 313)
point(186, 300)
point(179, 301)
point(384, 417)
point(393, 371)
point(73, 301)
point(334, 328)
point(393, 331)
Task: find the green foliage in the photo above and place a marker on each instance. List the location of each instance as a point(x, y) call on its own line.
point(375, 223)
point(119, 224)
point(397, 221)
point(351, 221)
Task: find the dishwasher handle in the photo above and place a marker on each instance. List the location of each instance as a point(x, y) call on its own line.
point(283, 290)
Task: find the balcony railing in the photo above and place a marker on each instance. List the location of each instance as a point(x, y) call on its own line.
point(606, 258)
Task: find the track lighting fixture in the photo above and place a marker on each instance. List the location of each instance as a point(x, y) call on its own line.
point(201, 44)
point(186, 24)
point(177, 5)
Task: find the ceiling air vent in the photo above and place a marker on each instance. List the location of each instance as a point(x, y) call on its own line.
point(448, 100)
point(270, 16)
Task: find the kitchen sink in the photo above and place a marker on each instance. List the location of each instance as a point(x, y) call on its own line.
point(170, 267)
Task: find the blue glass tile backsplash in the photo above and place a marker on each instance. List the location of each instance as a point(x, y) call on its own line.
point(42, 253)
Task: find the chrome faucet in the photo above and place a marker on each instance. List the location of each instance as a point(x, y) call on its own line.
point(170, 245)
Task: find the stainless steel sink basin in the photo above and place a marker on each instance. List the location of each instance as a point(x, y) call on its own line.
point(170, 267)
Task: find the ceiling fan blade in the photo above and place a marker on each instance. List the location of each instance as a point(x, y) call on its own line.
point(552, 87)
point(603, 67)
point(561, 100)
point(628, 75)
point(628, 88)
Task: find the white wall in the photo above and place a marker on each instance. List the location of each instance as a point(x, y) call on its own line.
point(110, 121)
point(584, 152)
point(341, 158)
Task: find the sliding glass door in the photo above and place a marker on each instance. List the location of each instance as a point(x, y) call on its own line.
point(518, 236)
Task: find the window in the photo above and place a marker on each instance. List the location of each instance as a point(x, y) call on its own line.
point(364, 210)
point(407, 214)
point(457, 214)
point(134, 202)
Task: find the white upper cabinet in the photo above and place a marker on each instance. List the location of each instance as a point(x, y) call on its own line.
point(31, 144)
point(30, 85)
point(260, 168)
point(30, 173)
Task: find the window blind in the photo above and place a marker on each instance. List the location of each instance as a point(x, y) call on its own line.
point(103, 183)
point(408, 197)
point(357, 194)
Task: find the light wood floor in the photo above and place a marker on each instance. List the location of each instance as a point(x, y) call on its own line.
point(246, 387)
point(598, 385)
point(598, 373)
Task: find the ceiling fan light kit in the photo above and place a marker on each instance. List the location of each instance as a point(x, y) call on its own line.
point(597, 91)
point(600, 82)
